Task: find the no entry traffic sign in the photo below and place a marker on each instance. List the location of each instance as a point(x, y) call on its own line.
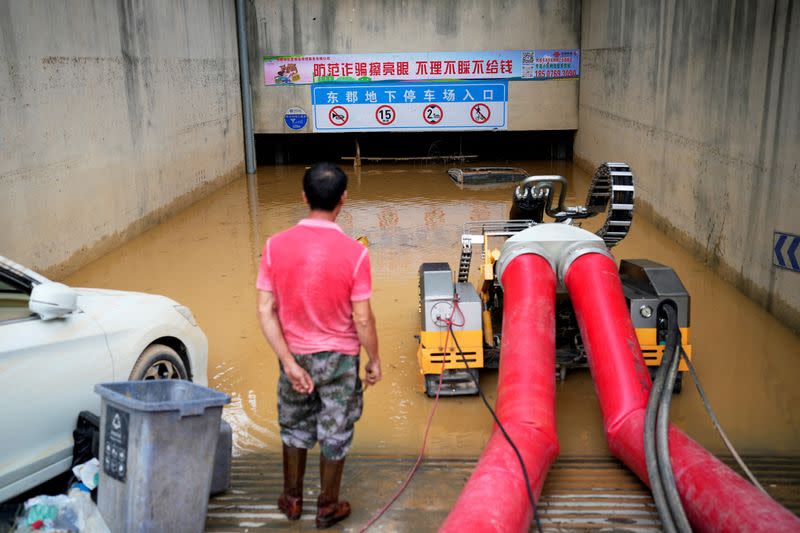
point(432, 114)
point(338, 115)
point(385, 115)
point(480, 113)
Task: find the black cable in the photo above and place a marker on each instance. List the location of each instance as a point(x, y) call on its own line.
point(672, 353)
point(503, 430)
point(656, 430)
point(717, 425)
point(662, 477)
point(651, 457)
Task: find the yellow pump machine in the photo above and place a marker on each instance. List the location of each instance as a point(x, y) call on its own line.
point(461, 323)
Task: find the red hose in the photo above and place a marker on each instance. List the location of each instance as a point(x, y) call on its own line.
point(495, 497)
point(714, 496)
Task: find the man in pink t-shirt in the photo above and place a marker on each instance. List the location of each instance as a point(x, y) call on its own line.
point(313, 305)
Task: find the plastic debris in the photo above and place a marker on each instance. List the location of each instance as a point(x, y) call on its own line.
point(43, 508)
point(72, 513)
point(87, 510)
point(88, 473)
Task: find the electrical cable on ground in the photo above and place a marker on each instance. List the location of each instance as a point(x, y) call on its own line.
point(418, 462)
point(656, 431)
point(450, 333)
point(717, 425)
point(506, 435)
point(651, 459)
point(662, 426)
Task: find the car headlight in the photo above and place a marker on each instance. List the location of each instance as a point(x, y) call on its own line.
point(186, 313)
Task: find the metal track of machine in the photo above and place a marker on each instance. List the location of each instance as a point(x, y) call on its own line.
point(612, 182)
point(475, 312)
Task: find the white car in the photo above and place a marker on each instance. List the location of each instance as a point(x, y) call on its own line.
point(56, 343)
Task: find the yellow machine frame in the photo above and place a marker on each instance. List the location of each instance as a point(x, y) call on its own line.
point(653, 352)
point(431, 351)
point(431, 345)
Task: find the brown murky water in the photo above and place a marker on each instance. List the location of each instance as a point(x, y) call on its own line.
point(206, 257)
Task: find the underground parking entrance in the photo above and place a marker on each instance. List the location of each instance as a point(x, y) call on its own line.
point(430, 147)
point(412, 212)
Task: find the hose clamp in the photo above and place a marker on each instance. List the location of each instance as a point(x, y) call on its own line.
point(512, 250)
point(577, 250)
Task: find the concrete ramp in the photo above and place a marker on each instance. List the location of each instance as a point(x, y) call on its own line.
point(581, 493)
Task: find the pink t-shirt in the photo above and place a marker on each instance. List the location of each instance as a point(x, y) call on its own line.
point(315, 272)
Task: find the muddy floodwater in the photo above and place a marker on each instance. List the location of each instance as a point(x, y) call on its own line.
point(207, 257)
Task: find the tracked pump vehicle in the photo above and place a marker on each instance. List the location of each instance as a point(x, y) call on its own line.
point(461, 323)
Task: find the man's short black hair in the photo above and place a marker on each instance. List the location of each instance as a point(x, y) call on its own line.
point(324, 184)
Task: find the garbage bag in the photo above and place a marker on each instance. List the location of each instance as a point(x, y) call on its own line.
point(88, 511)
point(72, 513)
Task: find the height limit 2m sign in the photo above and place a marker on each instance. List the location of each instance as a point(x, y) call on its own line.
point(408, 106)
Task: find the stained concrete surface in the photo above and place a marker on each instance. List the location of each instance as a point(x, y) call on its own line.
point(304, 27)
point(112, 115)
point(582, 493)
point(700, 99)
point(206, 257)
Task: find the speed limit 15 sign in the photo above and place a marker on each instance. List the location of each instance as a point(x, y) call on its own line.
point(385, 115)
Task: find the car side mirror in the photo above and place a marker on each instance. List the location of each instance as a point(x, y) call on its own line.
point(52, 300)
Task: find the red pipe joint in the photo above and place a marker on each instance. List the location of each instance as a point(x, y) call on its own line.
point(714, 496)
point(495, 497)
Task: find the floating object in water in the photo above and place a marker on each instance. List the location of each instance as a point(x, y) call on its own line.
point(480, 175)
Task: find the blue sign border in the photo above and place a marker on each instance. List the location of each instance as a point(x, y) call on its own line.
point(460, 86)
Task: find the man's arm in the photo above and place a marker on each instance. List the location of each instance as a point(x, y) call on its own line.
point(268, 318)
point(365, 327)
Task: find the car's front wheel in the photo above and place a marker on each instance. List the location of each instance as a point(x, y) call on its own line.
point(159, 362)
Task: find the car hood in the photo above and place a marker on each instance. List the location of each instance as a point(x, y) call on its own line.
point(103, 299)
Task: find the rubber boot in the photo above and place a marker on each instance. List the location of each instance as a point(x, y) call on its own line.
point(329, 509)
point(294, 468)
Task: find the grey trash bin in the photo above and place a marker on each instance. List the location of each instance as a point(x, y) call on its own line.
point(157, 444)
point(221, 476)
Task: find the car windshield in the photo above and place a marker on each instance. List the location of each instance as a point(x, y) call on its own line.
point(14, 298)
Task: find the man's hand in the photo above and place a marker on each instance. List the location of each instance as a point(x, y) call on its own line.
point(299, 378)
point(368, 337)
point(373, 372)
point(271, 326)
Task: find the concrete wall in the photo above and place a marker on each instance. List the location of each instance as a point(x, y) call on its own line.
point(288, 27)
point(112, 115)
point(701, 98)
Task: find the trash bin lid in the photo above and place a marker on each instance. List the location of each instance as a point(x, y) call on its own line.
point(162, 395)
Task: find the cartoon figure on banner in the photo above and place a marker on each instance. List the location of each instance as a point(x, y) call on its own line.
point(287, 74)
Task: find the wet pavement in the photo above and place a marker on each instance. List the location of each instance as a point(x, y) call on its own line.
point(581, 493)
point(207, 256)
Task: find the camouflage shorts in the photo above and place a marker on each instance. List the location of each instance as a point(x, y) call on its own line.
point(328, 414)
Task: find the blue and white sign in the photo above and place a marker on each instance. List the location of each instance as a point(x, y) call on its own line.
point(786, 247)
point(410, 106)
point(295, 118)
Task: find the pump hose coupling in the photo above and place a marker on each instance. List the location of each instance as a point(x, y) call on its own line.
point(559, 244)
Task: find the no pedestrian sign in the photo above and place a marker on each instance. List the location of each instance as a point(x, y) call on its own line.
point(404, 106)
